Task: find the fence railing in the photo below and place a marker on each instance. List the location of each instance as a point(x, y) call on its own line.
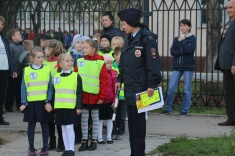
point(208, 18)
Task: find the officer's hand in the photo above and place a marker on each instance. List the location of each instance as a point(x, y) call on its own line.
point(14, 75)
point(233, 70)
point(79, 111)
point(150, 92)
point(22, 108)
point(48, 107)
point(117, 86)
point(112, 105)
point(100, 102)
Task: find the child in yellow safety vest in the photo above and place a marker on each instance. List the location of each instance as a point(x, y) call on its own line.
point(68, 100)
point(117, 41)
point(119, 123)
point(36, 96)
point(105, 41)
point(53, 48)
point(94, 83)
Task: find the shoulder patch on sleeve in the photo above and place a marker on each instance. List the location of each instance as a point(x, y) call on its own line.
point(154, 53)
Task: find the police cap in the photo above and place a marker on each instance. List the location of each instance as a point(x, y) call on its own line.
point(129, 14)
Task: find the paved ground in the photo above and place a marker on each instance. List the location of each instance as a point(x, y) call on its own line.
point(159, 130)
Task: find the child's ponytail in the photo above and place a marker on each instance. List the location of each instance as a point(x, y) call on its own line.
point(57, 47)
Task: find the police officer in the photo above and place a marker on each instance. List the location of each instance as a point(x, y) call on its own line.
point(139, 71)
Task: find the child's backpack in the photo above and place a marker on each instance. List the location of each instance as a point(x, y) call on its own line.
point(24, 59)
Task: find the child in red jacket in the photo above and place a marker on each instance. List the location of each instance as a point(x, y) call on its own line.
point(93, 71)
point(106, 111)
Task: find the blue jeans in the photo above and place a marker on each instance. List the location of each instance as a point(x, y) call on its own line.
point(176, 75)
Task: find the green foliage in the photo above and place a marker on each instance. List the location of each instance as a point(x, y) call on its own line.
point(212, 146)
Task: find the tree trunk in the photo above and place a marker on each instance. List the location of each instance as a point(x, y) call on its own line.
point(213, 33)
point(36, 21)
point(8, 9)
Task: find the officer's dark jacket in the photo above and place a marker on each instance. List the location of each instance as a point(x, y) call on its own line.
point(139, 64)
point(8, 52)
point(112, 31)
point(183, 53)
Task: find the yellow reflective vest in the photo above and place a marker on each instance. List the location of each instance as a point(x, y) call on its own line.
point(52, 66)
point(110, 53)
point(36, 82)
point(121, 94)
point(89, 70)
point(115, 67)
point(65, 91)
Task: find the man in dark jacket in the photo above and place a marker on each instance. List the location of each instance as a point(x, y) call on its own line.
point(140, 71)
point(226, 63)
point(6, 66)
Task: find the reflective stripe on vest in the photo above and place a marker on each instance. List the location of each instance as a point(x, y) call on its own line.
point(65, 91)
point(121, 94)
point(52, 66)
point(30, 84)
point(89, 70)
point(36, 82)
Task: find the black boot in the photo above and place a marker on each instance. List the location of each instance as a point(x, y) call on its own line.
point(84, 145)
point(70, 153)
point(60, 147)
point(93, 145)
point(52, 143)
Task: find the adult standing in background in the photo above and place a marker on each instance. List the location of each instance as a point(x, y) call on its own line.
point(6, 66)
point(108, 28)
point(226, 63)
point(139, 69)
point(182, 50)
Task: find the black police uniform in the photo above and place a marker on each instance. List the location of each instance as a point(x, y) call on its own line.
point(139, 70)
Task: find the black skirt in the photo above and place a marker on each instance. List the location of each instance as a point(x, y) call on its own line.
point(90, 106)
point(105, 111)
point(66, 116)
point(36, 112)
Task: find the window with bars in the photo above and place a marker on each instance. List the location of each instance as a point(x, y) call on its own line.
point(204, 11)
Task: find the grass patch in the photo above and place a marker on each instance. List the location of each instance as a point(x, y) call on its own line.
point(213, 146)
point(197, 109)
point(1, 141)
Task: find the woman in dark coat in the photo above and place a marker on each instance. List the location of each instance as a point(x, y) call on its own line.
point(108, 28)
point(140, 71)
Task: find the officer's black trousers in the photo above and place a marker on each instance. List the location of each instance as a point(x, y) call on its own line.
point(137, 131)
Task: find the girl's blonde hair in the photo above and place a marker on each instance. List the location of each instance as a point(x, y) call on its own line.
point(57, 47)
point(32, 52)
point(117, 38)
point(93, 44)
point(60, 59)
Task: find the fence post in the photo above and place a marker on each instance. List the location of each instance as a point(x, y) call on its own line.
point(146, 12)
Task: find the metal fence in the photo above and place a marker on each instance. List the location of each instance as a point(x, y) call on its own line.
point(162, 16)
